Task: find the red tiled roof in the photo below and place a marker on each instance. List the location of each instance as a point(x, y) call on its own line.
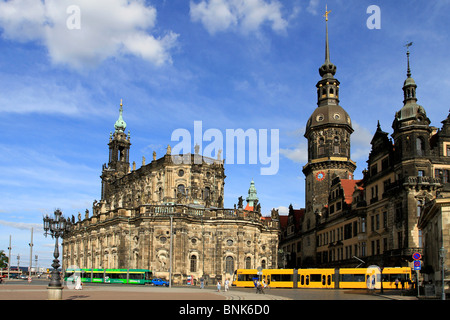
point(348, 185)
point(283, 222)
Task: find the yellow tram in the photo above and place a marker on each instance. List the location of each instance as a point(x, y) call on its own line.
point(328, 278)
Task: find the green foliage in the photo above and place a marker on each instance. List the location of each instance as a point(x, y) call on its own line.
point(3, 259)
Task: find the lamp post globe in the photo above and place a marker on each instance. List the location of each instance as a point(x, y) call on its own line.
point(56, 227)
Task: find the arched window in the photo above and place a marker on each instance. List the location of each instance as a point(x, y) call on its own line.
point(160, 194)
point(248, 263)
point(229, 265)
point(181, 189)
point(206, 194)
point(193, 263)
point(321, 149)
point(420, 146)
point(336, 147)
point(263, 264)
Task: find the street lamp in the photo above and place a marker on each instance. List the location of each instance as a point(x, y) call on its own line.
point(56, 227)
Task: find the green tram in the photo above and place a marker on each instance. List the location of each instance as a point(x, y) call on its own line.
point(130, 276)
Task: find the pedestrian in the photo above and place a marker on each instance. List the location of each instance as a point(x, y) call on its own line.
point(202, 283)
point(264, 284)
point(218, 286)
point(79, 286)
point(227, 282)
point(396, 284)
point(261, 287)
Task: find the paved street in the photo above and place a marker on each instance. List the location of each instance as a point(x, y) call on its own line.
point(37, 290)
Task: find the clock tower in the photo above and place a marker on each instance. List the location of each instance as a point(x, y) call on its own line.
point(328, 132)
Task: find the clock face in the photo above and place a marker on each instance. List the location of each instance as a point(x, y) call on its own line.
point(320, 176)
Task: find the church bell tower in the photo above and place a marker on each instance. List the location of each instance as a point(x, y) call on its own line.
point(119, 154)
point(328, 133)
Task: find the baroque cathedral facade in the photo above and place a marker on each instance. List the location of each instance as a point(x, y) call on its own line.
point(169, 212)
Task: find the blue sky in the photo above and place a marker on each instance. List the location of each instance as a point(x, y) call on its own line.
point(228, 63)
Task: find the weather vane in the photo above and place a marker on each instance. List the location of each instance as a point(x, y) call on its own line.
point(326, 13)
point(408, 45)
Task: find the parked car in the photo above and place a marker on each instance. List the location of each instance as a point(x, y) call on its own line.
point(160, 282)
point(23, 277)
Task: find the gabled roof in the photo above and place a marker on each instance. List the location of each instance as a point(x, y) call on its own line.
point(349, 185)
point(283, 222)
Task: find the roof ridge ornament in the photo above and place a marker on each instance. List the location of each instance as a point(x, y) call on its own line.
point(326, 12)
point(120, 124)
point(408, 73)
point(328, 68)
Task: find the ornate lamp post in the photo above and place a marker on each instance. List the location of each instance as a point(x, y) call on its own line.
point(56, 227)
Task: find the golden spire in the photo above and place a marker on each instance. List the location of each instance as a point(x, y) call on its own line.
point(121, 103)
point(326, 13)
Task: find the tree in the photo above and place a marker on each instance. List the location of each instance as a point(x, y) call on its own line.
point(3, 259)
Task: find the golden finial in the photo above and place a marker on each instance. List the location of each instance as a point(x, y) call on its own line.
point(121, 103)
point(326, 13)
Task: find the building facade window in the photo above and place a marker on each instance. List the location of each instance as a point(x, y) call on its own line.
point(181, 189)
point(420, 146)
point(248, 263)
point(229, 265)
point(263, 263)
point(193, 264)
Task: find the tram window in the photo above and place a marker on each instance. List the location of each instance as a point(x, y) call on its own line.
point(69, 274)
point(281, 277)
point(97, 275)
point(392, 277)
point(116, 275)
point(316, 278)
point(302, 280)
point(307, 279)
point(329, 280)
point(352, 278)
point(323, 280)
point(246, 277)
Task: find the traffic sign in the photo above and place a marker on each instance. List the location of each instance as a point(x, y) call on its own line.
point(417, 265)
point(417, 256)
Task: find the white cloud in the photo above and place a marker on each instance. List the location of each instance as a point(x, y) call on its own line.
point(283, 210)
point(299, 154)
point(360, 143)
point(22, 225)
point(312, 7)
point(106, 28)
point(243, 15)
